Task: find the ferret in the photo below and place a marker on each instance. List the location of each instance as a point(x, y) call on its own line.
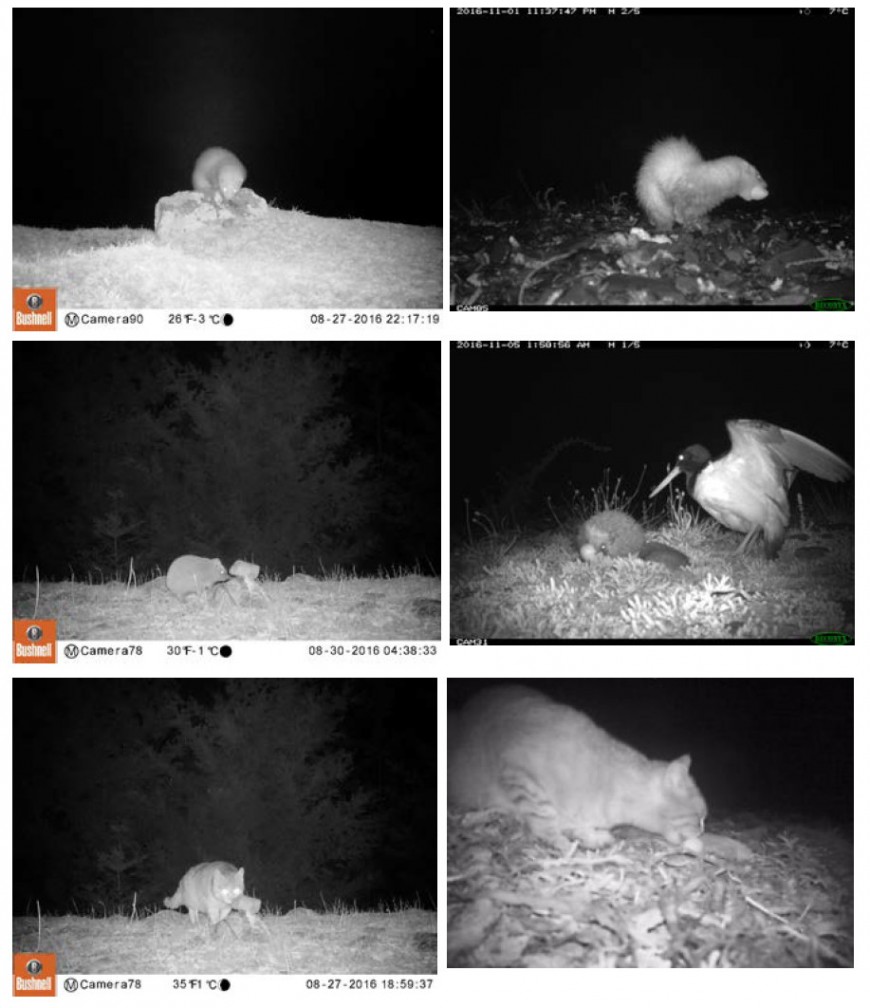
point(218, 174)
point(193, 575)
point(247, 571)
point(246, 574)
point(676, 185)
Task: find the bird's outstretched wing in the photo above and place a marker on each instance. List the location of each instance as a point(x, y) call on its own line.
point(788, 449)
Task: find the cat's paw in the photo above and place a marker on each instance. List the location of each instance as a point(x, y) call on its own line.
point(593, 836)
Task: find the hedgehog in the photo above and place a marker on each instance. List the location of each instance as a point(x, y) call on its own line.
point(614, 533)
point(218, 174)
point(611, 532)
point(193, 575)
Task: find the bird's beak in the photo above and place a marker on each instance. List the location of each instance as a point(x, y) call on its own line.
point(672, 475)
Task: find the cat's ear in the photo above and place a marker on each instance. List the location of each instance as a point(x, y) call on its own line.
point(677, 773)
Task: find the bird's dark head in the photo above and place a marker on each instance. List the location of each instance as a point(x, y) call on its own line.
point(690, 461)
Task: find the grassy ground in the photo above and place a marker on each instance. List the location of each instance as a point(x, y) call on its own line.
point(403, 606)
point(300, 941)
point(511, 583)
point(288, 259)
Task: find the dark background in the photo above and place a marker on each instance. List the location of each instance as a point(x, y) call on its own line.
point(335, 112)
point(296, 456)
point(775, 746)
point(322, 790)
point(574, 101)
point(643, 406)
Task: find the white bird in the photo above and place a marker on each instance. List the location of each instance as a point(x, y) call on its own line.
point(747, 489)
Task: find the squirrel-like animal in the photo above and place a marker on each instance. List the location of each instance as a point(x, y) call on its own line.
point(676, 185)
point(218, 174)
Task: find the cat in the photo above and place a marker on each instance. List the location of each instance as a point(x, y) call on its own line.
point(513, 749)
point(210, 888)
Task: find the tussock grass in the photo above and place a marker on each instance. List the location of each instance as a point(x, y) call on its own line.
point(514, 581)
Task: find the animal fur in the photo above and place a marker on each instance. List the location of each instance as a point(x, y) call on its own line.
point(611, 532)
point(193, 575)
point(218, 174)
point(213, 888)
point(244, 582)
point(676, 185)
point(250, 907)
point(513, 749)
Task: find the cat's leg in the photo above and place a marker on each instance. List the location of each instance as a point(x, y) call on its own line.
point(218, 912)
point(547, 830)
point(529, 802)
point(193, 914)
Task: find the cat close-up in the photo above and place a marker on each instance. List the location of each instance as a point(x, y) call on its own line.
point(513, 749)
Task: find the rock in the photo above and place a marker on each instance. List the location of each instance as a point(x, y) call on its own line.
point(185, 213)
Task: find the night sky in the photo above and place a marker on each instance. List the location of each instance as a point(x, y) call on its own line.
point(337, 112)
point(510, 407)
point(782, 747)
point(574, 101)
point(322, 790)
point(297, 456)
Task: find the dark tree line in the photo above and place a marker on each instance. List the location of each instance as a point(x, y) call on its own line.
point(293, 455)
point(323, 790)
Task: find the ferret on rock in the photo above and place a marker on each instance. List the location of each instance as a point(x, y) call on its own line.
point(676, 185)
point(218, 174)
